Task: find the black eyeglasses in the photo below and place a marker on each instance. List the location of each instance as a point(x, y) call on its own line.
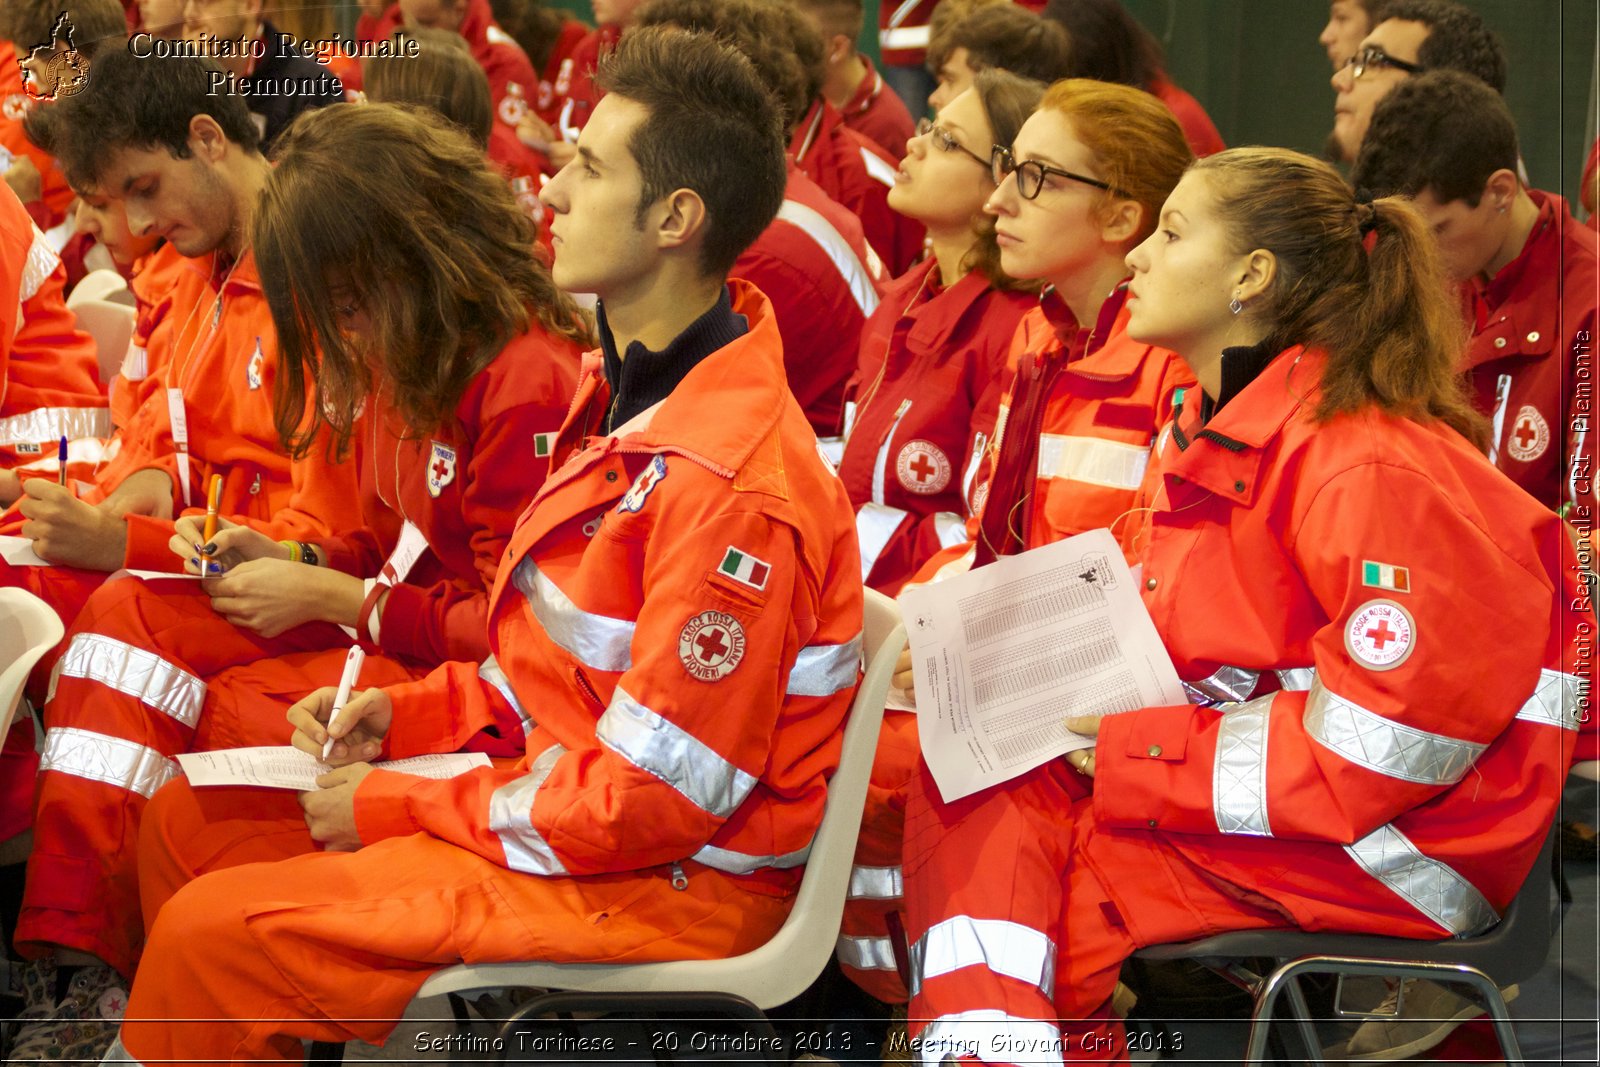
point(1373, 56)
point(945, 142)
point(1030, 174)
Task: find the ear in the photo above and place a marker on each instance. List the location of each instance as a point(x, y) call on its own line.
point(1501, 189)
point(1255, 274)
point(1121, 221)
point(680, 219)
point(839, 47)
point(206, 140)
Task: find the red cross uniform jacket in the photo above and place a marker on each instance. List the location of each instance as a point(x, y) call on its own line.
point(823, 280)
point(1532, 360)
point(1377, 627)
point(139, 378)
point(932, 368)
point(877, 113)
point(678, 623)
point(15, 102)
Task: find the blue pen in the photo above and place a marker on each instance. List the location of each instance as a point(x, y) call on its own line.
point(61, 474)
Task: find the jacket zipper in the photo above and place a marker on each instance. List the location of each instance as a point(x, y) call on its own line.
point(586, 688)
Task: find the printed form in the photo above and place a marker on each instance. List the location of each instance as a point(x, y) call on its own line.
point(1003, 654)
point(286, 767)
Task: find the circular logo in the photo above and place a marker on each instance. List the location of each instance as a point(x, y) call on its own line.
point(710, 645)
point(15, 107)
point(1380, 635)
point(514, 106)
point(1530, 435)
point(922, 468)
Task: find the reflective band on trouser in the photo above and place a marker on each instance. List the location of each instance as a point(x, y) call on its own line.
point(875, 525)
point(137, 673)
point(50, 424)
point(511, 818)
point(118, 1053)
point(731, 862)
point(669, 752)
point(865, 953)
point(876, 883)
point(37, 268)
point(1093, 460)
point(102, 758)
point(989, 1035)
point(1428, 885)
point(597, 641)
point(1296, 679)
point(1005, 948)
point(1224, 685)
point(845, 261)
point(950, 528)
point(489, 670)
point(1379, 744)
point(1555, 701)
point(1239, 775)
point(908, 37)
point(823, 670)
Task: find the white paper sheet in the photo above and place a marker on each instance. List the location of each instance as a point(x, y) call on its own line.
point(18, 551)
point(285, 767)
point(154, 576)
point(1003, 654)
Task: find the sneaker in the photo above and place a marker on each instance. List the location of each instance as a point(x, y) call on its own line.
point(1426, 1017)
point(79, 1026)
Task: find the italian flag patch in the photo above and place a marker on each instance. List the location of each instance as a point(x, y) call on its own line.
point(744, 568)
point(542, 444)
point(1385, 576)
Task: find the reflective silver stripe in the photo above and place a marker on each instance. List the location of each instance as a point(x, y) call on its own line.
point(1428, 885)
point(876, 883)
point(732, 862)
point(1003, 947)
point(490, 671)
point(901, 13)
point(1224, 685)
point(511, 818)
point(880, 464)
point(1296, 679)
point(1385, 746)
point(989, 1035)
point(845, 261)
point(140, 674)
point(865, 953)
point(1555, 700)
point(37, 268)
point(102, 758)
point(823, 670)
point(875, 525)
point(1239, 775)
point(950, 528)
point(979, 443)
point(877, 169)
point(51, 424)
point(906, 37)
point(597, 641)
point(118, 1053)
point(1093, 460)
point(673, 755)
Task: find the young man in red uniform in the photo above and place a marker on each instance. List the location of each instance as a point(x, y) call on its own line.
point(670, 568)
point(851, 83)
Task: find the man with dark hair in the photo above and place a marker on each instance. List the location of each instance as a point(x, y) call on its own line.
point(813, 261)
point(678, 612)
point(1001, 35)
point(851, 84)
point(1531, 279)
point(276, 79)
point(1413, 36)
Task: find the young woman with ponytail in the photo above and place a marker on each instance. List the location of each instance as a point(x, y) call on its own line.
point(1324, 555)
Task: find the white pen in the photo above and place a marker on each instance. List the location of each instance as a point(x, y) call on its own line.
point(347, 681)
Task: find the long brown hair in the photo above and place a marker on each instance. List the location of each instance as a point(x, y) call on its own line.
point(441, 263)
point(1007, 100)
point(1384, 318)
point(441, 75)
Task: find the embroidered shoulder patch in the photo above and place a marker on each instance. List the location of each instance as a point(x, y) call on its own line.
point(441, 468)
point(1380, 635)
point(644, 485)
point(710, 645)
point(744, 568)
point(1385, 576)
point(543, 444)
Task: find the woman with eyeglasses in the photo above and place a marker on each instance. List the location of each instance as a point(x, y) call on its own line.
point(1325, 552)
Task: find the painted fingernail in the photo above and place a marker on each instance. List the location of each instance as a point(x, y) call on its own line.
point(213, 568)
point(210, 549)
point(195, 560)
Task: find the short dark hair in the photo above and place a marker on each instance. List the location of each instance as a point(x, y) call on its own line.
point(1108, 43)
point(1458, 38)
point(701, 91)
point(95, 23)
point(786, 50)
point(837, 16)
point(1443, 131)
point(131, 102)
point(442, 76)
point(1012, 38)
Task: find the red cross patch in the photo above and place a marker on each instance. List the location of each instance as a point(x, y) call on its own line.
point(514, 105)
point(1530, 435)
point(1380, 635)
point(441, 468)
point(710, 645)
point(922, 468)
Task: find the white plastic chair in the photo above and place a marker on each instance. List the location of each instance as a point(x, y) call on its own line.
point(98, 285)
point(111, 326)
point(784, 967)
point(28, 629)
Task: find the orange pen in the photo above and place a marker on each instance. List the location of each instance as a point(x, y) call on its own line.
point(213, 502)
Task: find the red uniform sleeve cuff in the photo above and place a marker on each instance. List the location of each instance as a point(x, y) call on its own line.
point(402, 609)
point(381, 810)
point(417, 728)
point(1139, 757)
point(150, 545)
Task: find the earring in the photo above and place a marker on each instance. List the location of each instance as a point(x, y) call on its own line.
point(1235, 305)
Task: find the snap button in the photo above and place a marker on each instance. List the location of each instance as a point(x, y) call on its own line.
point(1238, 487)
point(1499, 342)
point(1150, 583)
point(611, 476)
point(1154, 750)
point(1533, 338)
point(1151, 824)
